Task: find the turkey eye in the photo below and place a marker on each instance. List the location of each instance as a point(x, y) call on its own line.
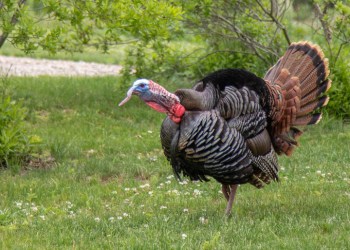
point(142, 85)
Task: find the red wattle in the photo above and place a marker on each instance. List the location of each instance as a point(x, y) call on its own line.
point(179, 110)
point(176, 113)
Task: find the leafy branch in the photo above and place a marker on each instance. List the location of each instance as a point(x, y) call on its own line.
point(14, 20)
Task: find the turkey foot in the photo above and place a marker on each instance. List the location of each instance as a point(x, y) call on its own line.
point(231, 198)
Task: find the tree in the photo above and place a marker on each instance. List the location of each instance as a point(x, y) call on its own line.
point(69, 25)
point(249, 34)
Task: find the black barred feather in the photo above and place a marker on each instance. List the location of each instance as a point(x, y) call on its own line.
point(219, 141)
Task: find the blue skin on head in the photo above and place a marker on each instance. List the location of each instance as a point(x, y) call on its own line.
point(141, 88)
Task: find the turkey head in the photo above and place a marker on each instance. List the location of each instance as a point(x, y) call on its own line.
point(157, 97)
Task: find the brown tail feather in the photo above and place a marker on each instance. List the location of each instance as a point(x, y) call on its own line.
point(308, 119)
point(321, 102)
point(314, 94)
point(297, 83)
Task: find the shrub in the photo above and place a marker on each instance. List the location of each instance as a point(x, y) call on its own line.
point(14, 141)
point(339, 104)
point(16, 144)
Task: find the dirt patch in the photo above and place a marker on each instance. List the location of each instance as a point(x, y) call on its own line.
point(24, 66)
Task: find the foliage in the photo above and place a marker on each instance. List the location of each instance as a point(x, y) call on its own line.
point(112, 187)
point(16, 144)
point(252, 28)
point(339, 105)
point(335, 22)
point(69, 25)
point(254, 34)
point(14, 141)
point(187, 39)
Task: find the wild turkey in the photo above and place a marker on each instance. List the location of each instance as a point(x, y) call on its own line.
point(231, 124)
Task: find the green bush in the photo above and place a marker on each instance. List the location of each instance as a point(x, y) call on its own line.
point(14, 141)
point(339, 104)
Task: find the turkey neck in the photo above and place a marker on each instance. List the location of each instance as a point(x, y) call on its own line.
point(199, 100)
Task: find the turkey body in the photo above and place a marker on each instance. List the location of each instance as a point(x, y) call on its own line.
point(225, 136)
point(232, 124)
point(236, 123)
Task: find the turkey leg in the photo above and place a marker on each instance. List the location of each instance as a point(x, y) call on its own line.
point(230, 199)
point(225, 189)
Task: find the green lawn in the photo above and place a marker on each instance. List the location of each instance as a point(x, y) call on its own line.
point(111, 187)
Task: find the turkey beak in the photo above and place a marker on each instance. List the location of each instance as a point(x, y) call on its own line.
point(128, 96)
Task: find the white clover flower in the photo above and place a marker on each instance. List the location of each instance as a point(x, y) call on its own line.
point(34, 209)
point(111, 219)
point(203, 220)
point(197, 192)
point(185, 210)
point(42, 217)
point(114, 192)
point(119, 218)
point(71, 214)
point(176, 192)
point(163, 207)
point(126, 201)
point(97, 219)
point(91, 151)
point(170, 177)
point(183, 236)
point(125, 214)
point(69, 204)
point(18, 204)
point(318, 172)
point(168, 182)
point(153, 158)
point(282, 169)
point(126, 189)
point(149, 131)
point(150, 193)
point(142, 205)
point(146, 185)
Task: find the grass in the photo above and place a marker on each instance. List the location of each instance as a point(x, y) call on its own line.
point(112, 188)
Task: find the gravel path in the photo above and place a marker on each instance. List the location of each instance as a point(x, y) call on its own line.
point(23, 66)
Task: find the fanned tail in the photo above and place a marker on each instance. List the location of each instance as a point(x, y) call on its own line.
point(297, 83)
